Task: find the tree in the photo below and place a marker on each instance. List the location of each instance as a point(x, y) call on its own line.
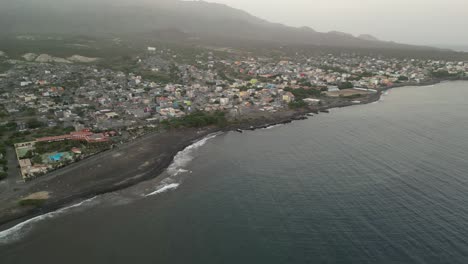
point(443, 74)
point(33, 123)
point(37, 160)
point(302, 93)
point(28, 155)
point(345, 85)
point(297, 104)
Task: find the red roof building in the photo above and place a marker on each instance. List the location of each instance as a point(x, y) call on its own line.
point(84, 135)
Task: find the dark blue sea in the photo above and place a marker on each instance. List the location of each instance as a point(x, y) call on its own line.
point(380, 183)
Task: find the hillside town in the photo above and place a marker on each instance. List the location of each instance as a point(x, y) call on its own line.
point(56, 111)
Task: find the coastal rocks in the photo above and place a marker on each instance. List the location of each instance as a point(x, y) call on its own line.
point(29, 56)
point(2, 54)
point(300, 118)
point(82, 59)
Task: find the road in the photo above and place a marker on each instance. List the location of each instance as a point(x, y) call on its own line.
point(14, 180)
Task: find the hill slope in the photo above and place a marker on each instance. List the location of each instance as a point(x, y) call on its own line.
point(195, 18)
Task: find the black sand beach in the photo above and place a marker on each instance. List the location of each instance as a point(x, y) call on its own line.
point(129, 164)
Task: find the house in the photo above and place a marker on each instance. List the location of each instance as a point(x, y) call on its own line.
point(76, 150)
point(288, 97)
point(224, 101)
point(111, 115)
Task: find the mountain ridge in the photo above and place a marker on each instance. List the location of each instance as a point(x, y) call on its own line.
point(198, 19)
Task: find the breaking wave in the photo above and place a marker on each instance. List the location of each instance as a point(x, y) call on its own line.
point(181, 160)
point(164, 188)
point(18, 231)
point(273, 126)
point(177, 167)
point(184, 157)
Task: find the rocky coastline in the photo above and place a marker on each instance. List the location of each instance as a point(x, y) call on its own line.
point(138, 161)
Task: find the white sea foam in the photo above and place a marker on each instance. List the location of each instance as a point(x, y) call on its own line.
point(184, 157)
point(177, 167)
point(164, 188)
point(16, 232)
point(273, 126)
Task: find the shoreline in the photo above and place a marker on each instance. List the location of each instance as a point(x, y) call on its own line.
point(121, 167)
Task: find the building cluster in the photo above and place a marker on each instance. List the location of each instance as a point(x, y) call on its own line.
point(163, 84)
point(160, 88)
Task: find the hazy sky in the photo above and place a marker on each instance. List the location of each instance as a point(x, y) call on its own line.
point(408, 21)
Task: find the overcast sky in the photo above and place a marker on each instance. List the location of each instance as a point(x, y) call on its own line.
point(408, 21)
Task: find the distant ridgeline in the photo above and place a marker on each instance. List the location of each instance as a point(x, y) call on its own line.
point(171, 20)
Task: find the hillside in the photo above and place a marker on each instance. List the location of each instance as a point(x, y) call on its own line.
point(196, 19)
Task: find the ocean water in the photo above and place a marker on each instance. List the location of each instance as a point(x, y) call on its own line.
point(379, 183)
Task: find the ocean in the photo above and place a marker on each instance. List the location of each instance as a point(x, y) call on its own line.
point(385, 182)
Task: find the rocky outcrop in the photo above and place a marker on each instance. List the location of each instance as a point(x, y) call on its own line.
point(82, 59)
point(2, 54)
point(29, 56)
point(45, 58)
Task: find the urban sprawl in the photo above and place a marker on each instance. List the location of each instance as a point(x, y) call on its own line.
point(56, 111)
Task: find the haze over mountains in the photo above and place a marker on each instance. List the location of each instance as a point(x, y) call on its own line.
point(187, 19)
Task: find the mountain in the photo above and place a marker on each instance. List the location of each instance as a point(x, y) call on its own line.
point(368, 37)
point(195, 19)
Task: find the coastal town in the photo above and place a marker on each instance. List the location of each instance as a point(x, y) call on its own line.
point(56, 111)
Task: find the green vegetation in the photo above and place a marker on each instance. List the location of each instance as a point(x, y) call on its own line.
point(345, 85)
point(25, 136)
point(305, 82)
point(118, 63)
point(53, 131)
point(3, 111)
point(162, 77)
point(333, 69)
point(198, 119)
point(31, 202)
point(366, 74)
point(3, 162)
point(65, 46)
point(302, 93)
point(297, 104)
point(403, 78)
point(33, 123)
point(157, 77)
point(444, 74)
point(2, 149)
point(4, 67)
point(60, 146)
point(18, 137)
point(37, 160)
point(27, 112)
point(223, 76)
point(174, 74)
